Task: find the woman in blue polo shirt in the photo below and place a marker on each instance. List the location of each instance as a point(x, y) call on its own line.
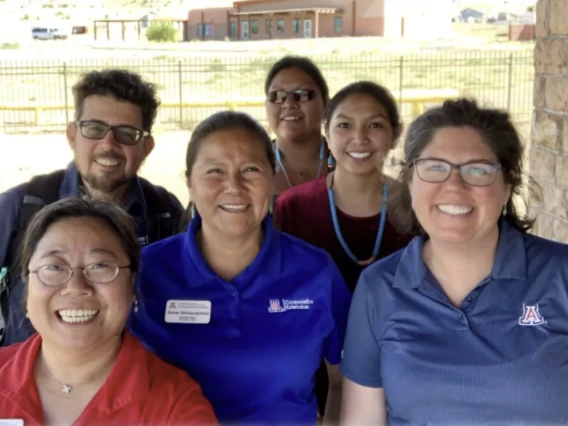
point(468, 323)
point(248, 311)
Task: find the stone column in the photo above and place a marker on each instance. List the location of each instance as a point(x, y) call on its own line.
point(548, 156)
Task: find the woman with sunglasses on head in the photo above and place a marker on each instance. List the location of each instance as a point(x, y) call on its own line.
point(467, 324)
point(345, 213)
point(80, 258)
point(296, 96)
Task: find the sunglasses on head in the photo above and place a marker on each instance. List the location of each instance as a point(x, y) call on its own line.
point(280, 96)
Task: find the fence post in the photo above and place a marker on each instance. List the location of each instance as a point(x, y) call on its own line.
point(401, 65)
point(510, 83)
point(180, 81)
point(65, 94)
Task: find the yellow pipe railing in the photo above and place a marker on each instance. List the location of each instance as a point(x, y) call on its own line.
point(416, 98)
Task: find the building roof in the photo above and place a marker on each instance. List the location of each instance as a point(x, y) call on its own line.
point(323, 10)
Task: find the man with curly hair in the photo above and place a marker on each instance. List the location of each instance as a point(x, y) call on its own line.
point(110, 138)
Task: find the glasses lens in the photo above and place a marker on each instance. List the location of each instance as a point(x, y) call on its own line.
point(53, 274)
point(479, 174)
point(127, 135)
point(93, 129)
point(102, 272)
point(277, 96)
point(303, 95)
point(432, 170)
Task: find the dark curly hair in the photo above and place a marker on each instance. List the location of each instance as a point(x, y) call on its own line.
point(122, 85)
point(496, 130)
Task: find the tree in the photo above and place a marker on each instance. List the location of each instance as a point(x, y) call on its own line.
point(162, 31)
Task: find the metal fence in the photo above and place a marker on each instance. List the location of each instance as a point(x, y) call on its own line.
point(36, 95)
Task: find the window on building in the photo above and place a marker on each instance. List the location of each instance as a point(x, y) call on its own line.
point(233, 30)
point(254, 26)
point(296, 25)
point(338, 24)
point(268, 26)
point(207, 30)
point(199, 30)
point(280, 25)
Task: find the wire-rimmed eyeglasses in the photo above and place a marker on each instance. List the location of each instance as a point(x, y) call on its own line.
point(435, 170)
point(96, 273)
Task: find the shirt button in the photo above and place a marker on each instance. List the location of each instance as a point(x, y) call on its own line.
point(469, 299)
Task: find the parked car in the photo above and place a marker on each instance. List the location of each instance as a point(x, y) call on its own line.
point(43, 33)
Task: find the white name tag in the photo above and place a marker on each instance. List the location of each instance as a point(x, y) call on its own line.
point(187, 312)
point(11, 422)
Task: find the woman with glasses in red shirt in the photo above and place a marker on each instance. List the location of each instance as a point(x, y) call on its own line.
point(296, 97)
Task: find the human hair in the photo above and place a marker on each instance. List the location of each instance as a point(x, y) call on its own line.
point(304, 64)
point(114, 218)
point(495, 129)
point(381, 95)
point(218, 122)
point(222, 121)
point(121, 85)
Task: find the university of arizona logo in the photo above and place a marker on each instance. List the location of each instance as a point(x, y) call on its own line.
point(531, 316)
point(274, 306)
point(173, 305)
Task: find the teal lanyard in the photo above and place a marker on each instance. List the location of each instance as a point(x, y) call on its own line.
point(380, 232)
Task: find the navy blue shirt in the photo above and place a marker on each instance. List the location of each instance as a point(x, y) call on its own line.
point(253, 344)
point(19, 328)
point(502, 356)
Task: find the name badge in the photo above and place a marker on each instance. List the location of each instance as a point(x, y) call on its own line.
point(11, 422)
point(188, 312)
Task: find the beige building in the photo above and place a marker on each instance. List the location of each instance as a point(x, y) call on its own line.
point(285, 19)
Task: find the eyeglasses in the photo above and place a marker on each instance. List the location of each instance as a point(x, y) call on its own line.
point(126, 135)
point(96, 273)
point(434, 170)
point(280, 96)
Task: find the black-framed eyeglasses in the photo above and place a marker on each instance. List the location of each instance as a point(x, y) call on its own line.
point(96, 273)
point(435, 170)
point(280, 96)
point(123, 134)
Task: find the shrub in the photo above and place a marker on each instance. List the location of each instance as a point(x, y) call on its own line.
point(162, 32)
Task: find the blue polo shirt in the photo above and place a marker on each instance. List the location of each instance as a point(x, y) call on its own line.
point(502, 356)
point(254, 344)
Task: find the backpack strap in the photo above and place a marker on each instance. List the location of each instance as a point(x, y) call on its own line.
point(163, 216)
point(39, 191)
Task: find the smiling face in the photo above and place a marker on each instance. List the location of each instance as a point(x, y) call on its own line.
point(105, 165)
point(452, 211)
point(231, 182)
point(359, 134)
point(293, 120)
point(79, 315)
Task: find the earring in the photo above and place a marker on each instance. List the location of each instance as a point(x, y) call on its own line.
point(504, 213)
point(135, 305)
point(192, 211)
point(271, 208)
point(330, 161)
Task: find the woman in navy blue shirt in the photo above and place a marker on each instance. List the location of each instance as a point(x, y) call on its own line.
point(248, 311)
point(467, 324)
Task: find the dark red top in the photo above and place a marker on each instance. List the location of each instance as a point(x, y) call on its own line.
point(303, 211)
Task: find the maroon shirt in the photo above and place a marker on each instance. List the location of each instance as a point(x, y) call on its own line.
point(303, 211)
